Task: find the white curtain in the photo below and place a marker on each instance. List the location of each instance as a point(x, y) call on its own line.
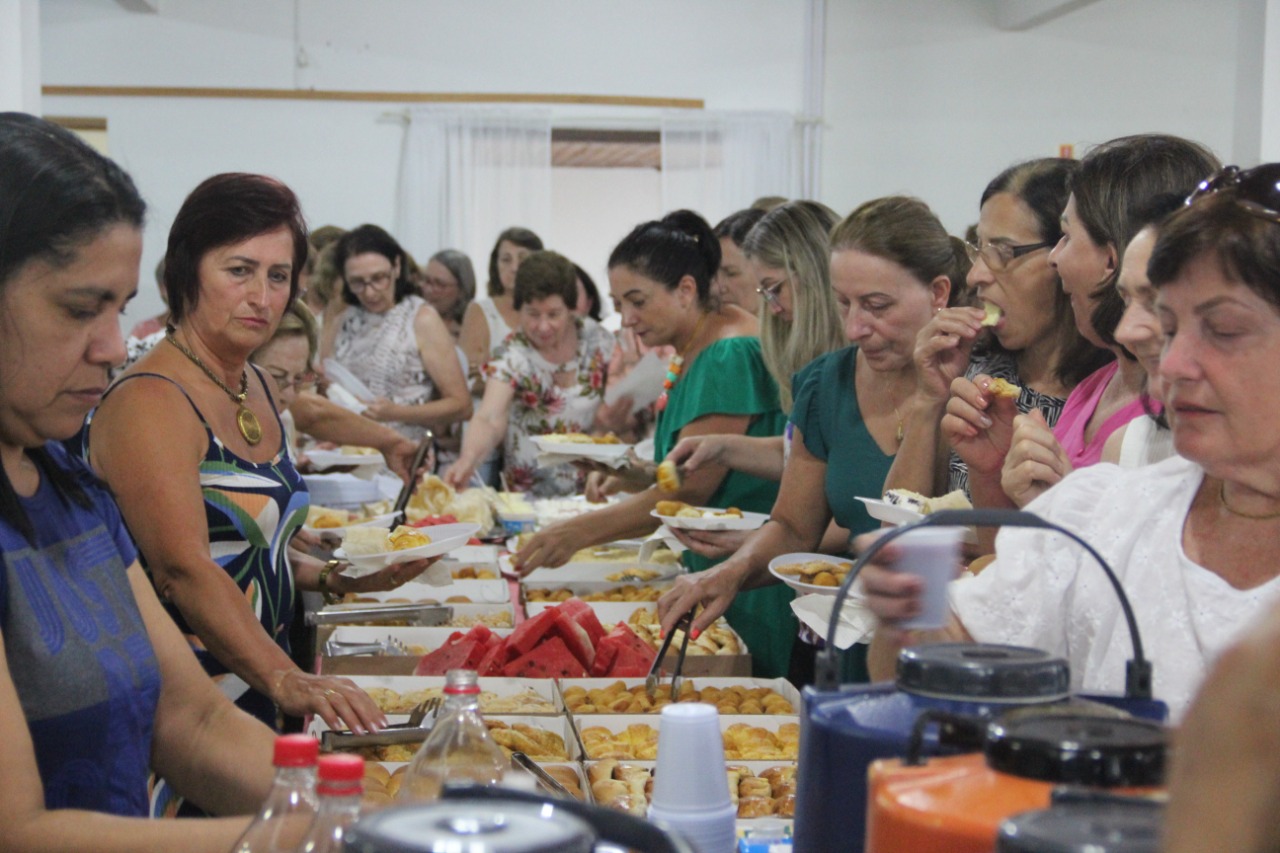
point(466, 173)
point(719, 162)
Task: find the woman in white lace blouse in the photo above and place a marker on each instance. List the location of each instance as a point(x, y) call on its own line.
point(393, 341)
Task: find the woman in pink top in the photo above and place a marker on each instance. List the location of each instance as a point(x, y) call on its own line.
point(1114, 182)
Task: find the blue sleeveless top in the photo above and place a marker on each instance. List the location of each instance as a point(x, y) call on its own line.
point(252, 510)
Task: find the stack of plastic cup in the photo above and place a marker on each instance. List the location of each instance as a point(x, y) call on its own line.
point(690, 787)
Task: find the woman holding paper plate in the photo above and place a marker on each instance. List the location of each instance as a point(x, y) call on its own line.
point(892, 268)
point(208, 492)
point(393, 341)
point(549, 379)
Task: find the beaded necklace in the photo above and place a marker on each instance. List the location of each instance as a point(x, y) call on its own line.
point(676, 366)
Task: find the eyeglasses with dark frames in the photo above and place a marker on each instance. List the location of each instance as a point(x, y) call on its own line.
point(1257, 190)
point(377, 281)
point(997, 256)
point(297, 382)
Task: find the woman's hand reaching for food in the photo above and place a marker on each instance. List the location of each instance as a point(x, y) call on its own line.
point(714, 590)
point(1035, 460)
point(337, 701)
point(979, 424)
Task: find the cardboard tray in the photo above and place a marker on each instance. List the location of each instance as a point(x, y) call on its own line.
point(542, 688)
point(781, 686)
point(582, 588)
point(393, 766)
point(597, 571)
point(496, 591)
point(618, 722)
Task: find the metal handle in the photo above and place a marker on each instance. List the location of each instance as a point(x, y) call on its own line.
point(406, 491)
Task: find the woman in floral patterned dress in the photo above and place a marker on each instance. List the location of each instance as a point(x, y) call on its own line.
point(548, 378)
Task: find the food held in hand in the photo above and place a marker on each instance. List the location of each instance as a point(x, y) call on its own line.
point(680, 509)
point(403, 538)
point(324, 518)
point(582, 438)
point(924, 505)
point(354, 450)
point(1002, 388)
point(668, 477)
point(817, 572)
point(991, 314)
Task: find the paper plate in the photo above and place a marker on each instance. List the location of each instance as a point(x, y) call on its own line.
point(444, 538)
point(384, 519)
point(337, 373)
point(892, 513)
point(748, 520)
point(793, 580)
point(324, 459)
point(600, 452)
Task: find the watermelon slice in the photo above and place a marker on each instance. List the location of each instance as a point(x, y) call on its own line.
point(531, 631)
point(464, 654)
point(494, 659)
point(551, 659)
point(575, 638)
point(622, 654)
point(586, 617)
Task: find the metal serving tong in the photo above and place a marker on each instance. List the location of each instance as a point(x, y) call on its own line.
point(545, 779)
point(421, 719)
point(390, 647)
point(415, 468)
point(684, 623)
point(421, 615)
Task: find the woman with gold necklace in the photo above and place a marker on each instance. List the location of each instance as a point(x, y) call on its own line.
point(190, 442)
point(660, 279)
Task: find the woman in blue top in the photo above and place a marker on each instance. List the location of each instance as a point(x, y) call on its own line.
point(96, 686)
point(892, 269)
point(190, 442)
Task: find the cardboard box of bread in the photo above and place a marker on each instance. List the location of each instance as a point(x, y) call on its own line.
point(583, 697)
point(462, 591)
point(759, 789)
point(396, 695)
point(634, 737)
point(549, 739)
point(616, 571)
point(382, 780)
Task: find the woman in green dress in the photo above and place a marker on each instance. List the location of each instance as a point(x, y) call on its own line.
point(892, 269)
point(660, 279)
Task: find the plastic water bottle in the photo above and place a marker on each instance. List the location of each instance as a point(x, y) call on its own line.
point(340, 788)
point(290, 806)
point(459, 749)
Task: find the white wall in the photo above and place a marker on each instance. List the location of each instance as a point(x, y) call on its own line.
point(342, 158)
point(930, 98)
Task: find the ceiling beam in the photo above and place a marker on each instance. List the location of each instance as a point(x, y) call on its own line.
point(1018, 15)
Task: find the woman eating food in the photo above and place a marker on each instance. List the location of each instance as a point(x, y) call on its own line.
point(209, 492)
point(1195, 539)
point(393, 341)
point(97, 688)
point(549, 380)
point(892, 268)
point(660, 279)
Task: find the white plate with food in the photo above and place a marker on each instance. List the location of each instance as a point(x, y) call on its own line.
point(581, 445)
point(805, 572)
point(340, 530)
point(443, 538)
point(707, 518)
point(323, 460)
point(892, 513)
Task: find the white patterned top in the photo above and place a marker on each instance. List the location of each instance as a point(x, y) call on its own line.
point(1045, 592)
point(382, 351)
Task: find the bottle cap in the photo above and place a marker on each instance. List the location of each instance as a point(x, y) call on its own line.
point(983, 673)
point(341, 768)
point(1078, 749)
point(296, 751)
point(461, 681)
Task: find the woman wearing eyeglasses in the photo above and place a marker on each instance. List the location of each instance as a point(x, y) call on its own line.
point(1114, 183)
point(449, 284)
point(1194, 539)
point(393, 341)
point(1033, 345)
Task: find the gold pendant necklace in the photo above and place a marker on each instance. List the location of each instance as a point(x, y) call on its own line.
point(246, 420)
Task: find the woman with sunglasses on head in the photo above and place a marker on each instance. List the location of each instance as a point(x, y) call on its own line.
point(393, 341)
point(1195, 539)
point(660, 278)
point(210, 492)
point(1033, 344)
point(892, 265)
point(97, 688)
point(1114, 181)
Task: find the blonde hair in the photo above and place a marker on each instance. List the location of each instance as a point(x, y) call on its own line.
point(793, 237)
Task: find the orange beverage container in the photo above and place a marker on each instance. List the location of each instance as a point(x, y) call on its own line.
point(956, 804)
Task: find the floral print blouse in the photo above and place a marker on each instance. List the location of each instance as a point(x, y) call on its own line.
point(541, 407)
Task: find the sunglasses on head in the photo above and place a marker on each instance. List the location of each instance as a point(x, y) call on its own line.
point(1257, 190)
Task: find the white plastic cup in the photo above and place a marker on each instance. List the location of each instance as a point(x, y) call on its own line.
point(710, 831)
point(932, 554)
point(689, 776)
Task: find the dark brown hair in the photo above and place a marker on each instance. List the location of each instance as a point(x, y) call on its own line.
point(522, 237)
point(542, 275)
point(223, 210)
point(666, 250)
point(371, 239)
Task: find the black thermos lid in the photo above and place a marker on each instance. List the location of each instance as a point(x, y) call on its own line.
point(1078, 749)
point(976, 672)
point(1083, 828)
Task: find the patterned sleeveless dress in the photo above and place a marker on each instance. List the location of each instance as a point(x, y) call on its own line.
point(252, 509)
